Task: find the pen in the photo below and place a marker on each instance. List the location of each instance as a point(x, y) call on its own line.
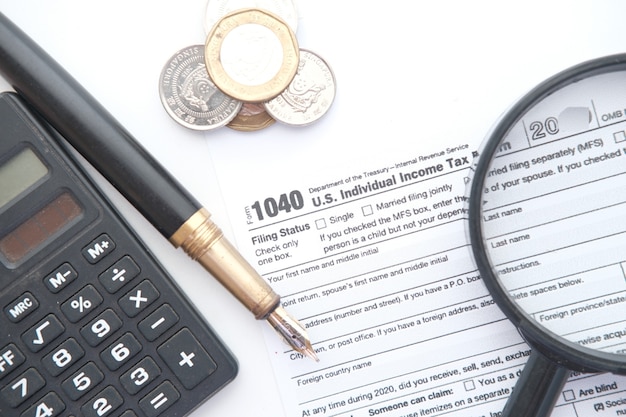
point(113, 151)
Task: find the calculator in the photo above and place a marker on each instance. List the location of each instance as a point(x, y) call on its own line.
point(91, 325)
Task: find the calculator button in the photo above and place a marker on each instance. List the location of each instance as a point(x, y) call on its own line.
point(158, 322)
point(129, 413)
point(21, 307)
point(82, 381)
point(100, 328)
point(139, 298)
point(10, 358)
point(49, 406)
point(119, 274)
point(23, 387)
point(61, 358)
point(42, 333)
point(98, 248)
point(103, 404)
point(159, 400)
point(60, 278)
point(121, 351)
point(140, 375)
point(81, 303)
point(186, 357)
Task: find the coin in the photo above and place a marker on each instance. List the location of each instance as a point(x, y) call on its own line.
point(251, 55)
point(216, 9)
point(250, 118)
point(310, 94)
point(188, 94)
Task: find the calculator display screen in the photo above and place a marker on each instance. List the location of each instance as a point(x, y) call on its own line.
point(40, 228)
point(18, 174)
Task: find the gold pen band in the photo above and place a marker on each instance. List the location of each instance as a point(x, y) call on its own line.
point(204, 242)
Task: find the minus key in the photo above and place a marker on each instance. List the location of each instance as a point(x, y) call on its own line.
point(157, 323)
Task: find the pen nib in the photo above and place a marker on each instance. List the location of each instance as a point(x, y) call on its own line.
point(292, 332)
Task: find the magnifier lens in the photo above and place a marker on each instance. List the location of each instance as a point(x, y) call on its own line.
point(553, 218)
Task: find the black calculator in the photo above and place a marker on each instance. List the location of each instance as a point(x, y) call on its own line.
point(91, 324)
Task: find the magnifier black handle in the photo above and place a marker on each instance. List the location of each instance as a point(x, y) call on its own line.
point(538, 388)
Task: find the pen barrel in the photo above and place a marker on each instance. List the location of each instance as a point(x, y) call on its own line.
point(93, 131)
point(204, 242)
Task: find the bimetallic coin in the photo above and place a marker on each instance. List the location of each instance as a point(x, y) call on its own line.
point(251, 55)
point(216, 9)
point(251, 117)
point(309, 96)
point(190, 97)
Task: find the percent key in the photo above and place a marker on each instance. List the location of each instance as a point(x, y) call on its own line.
point(81, 303)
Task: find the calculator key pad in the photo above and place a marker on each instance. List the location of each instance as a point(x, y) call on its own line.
point(112, 334)
point(159, 400)
point(158, 322)
point(119, 274)
point(81, 303)
point(42, 333)
point(187, 359)
point(10, 358)
point(98, 248)
point(21, 307)
point(60, 278)
point(139, 298)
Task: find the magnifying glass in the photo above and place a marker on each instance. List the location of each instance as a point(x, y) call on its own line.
point(547, 222)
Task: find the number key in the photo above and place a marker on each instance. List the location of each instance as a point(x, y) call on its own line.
point(66, 354)
point(103, 404)
point(101, 327)
point(23, 387)
point(140, 375)
point(82, 381)
point(120, 351)
point(49, 406)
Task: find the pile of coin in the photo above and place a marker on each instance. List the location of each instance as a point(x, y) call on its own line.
point(249, 73)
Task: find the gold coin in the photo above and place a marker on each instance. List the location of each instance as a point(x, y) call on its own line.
point(251, 55)
point(250, 118)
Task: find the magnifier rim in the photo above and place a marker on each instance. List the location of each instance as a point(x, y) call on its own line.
point(566, 353)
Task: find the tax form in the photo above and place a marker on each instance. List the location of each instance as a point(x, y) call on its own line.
point(375, 263)
point(358, 221)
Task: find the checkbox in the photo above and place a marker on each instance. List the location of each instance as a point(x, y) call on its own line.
point(469, 385)
point(320, 223)
point(568, 395)
point(367, 210)
point(619, 136)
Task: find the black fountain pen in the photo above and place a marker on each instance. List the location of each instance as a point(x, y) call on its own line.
point(112, 150)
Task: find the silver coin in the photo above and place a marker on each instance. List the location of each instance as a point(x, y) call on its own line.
point(309, 95)
point(284, 9)
point(190, 97)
